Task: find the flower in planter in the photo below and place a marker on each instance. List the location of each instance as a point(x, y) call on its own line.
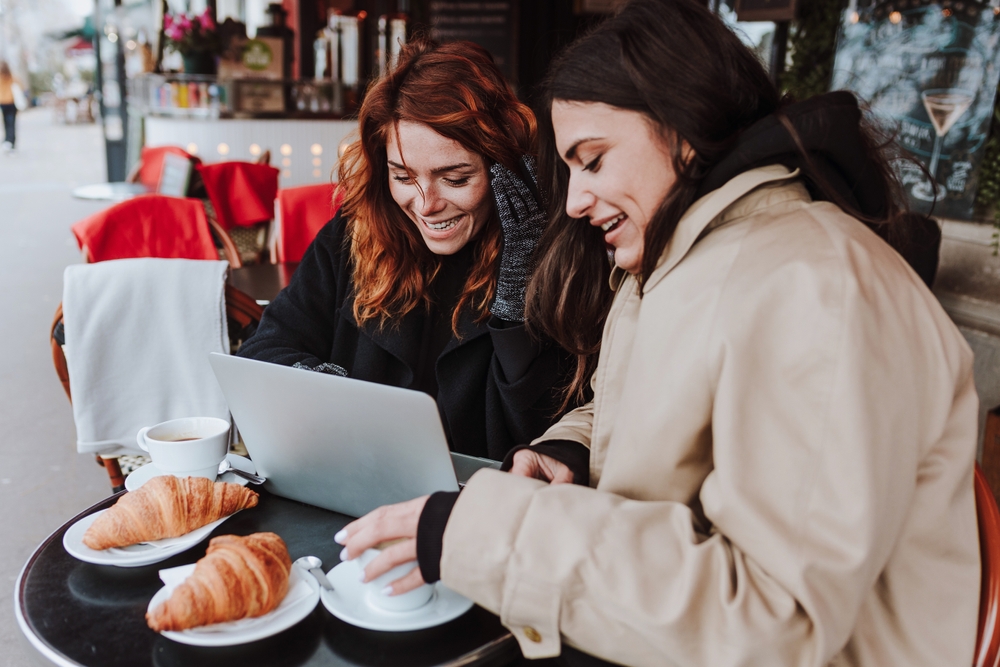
point(191, 34)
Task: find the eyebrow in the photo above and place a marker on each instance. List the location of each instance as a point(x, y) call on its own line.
point(571, 153)
point(439, 170)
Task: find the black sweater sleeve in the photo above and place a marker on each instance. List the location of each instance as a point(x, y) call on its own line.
point(298, 325)
point(527, 378)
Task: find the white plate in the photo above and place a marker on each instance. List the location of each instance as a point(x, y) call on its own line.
point(348, 601)
point(140, 476)
point(301, 599)
point(136, 555)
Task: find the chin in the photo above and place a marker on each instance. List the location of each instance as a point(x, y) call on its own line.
point(628, 262)
point(445, 246)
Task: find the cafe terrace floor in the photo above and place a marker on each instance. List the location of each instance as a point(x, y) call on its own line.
point(42, 479)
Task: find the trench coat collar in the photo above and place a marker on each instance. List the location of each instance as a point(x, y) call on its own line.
point(403, 337)
point(709, 209)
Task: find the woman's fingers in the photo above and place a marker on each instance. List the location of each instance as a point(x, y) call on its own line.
point(413, 579)
point(561, 474)
point(397, 554)
point(385, 523)
point(526, 464)
point(540, 466)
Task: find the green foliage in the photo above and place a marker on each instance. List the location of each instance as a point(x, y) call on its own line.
point(988, 193)
point(813, 45)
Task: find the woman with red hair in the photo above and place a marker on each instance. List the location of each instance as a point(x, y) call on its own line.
point(419, 282)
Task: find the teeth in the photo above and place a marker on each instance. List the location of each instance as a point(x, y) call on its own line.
point(439, 226)
point(614, 221)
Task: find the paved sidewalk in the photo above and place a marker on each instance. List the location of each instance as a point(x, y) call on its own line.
point(43, 481)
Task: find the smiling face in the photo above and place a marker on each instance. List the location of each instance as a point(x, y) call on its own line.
point(440, 185)
point(620, 169)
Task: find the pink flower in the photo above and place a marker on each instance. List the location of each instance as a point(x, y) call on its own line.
point(183, 22)
point(168, 21)
point(174, 33)
point(206, 20)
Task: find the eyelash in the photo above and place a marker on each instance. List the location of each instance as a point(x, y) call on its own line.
point(593, 165)
point(455, 183)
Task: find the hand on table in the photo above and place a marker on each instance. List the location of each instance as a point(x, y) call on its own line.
point(532, 464)
point(390, 522)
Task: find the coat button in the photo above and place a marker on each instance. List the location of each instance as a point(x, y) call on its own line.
point(532, 634)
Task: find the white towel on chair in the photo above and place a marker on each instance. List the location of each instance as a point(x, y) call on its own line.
point(138, 334)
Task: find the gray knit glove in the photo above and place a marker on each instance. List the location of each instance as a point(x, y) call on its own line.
point(522, 219)
point(326, 367)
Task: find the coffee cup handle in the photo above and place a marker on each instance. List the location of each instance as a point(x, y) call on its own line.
point(140, 438)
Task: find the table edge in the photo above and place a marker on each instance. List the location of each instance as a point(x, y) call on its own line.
point(485, 651)
point(38, 642)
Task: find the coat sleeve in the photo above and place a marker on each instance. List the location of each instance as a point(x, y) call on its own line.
point(298, 325)
point(524, 389)
point(806, 501)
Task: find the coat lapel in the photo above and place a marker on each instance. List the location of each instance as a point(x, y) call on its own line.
point(704, 211)
point(403, 338)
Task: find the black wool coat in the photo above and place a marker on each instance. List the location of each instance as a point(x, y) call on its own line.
point(497, 386)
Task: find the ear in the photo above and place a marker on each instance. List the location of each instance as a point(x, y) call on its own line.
point(687, 153)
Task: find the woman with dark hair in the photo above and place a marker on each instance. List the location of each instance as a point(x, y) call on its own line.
point(783, 427)
point(419, 281)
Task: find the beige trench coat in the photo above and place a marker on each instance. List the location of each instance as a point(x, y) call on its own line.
point(782, 442)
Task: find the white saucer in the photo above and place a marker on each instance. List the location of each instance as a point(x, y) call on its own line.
point(349, 603)
point(140, 476)
point(301, 599)
point(136, 555)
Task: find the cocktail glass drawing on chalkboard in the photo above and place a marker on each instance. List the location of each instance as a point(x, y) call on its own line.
point(944, 106)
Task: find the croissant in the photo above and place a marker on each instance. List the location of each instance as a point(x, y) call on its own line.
point(166, 506)
point(239, 577)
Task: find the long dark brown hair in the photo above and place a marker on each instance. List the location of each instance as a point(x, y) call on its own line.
point(457, 91)
point(678, 64)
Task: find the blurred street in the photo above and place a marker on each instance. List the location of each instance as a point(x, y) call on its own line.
point(43, 481)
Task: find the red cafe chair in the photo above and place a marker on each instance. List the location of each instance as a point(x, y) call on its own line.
point(988, 635)
point(149, 168)
point(242, 197)
point(153, 226)
point(299, 215)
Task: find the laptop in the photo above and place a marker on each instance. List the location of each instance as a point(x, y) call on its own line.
point(345, 445)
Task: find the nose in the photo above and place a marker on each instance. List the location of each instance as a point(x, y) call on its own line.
point(429, 201)
point(579, 199)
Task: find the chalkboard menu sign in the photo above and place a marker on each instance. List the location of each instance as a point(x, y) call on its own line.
point(491, 24)
point(929, 73)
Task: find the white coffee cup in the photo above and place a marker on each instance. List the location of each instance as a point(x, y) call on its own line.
point(188, 447)
point(378, 597)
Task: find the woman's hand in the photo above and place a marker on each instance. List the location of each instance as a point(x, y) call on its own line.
point(532, 464)
point(522, 219)
point(389, 522)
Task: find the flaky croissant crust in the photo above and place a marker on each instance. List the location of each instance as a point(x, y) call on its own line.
point(166, 506)
point(239, 577)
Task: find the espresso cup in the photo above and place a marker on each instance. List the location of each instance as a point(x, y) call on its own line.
point(188, 447)
point(374, 589)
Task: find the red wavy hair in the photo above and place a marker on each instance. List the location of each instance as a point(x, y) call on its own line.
point(456, 90)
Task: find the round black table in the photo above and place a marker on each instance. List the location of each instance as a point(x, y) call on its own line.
point(76, 613)
point(116, 191)
point(262, 282)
